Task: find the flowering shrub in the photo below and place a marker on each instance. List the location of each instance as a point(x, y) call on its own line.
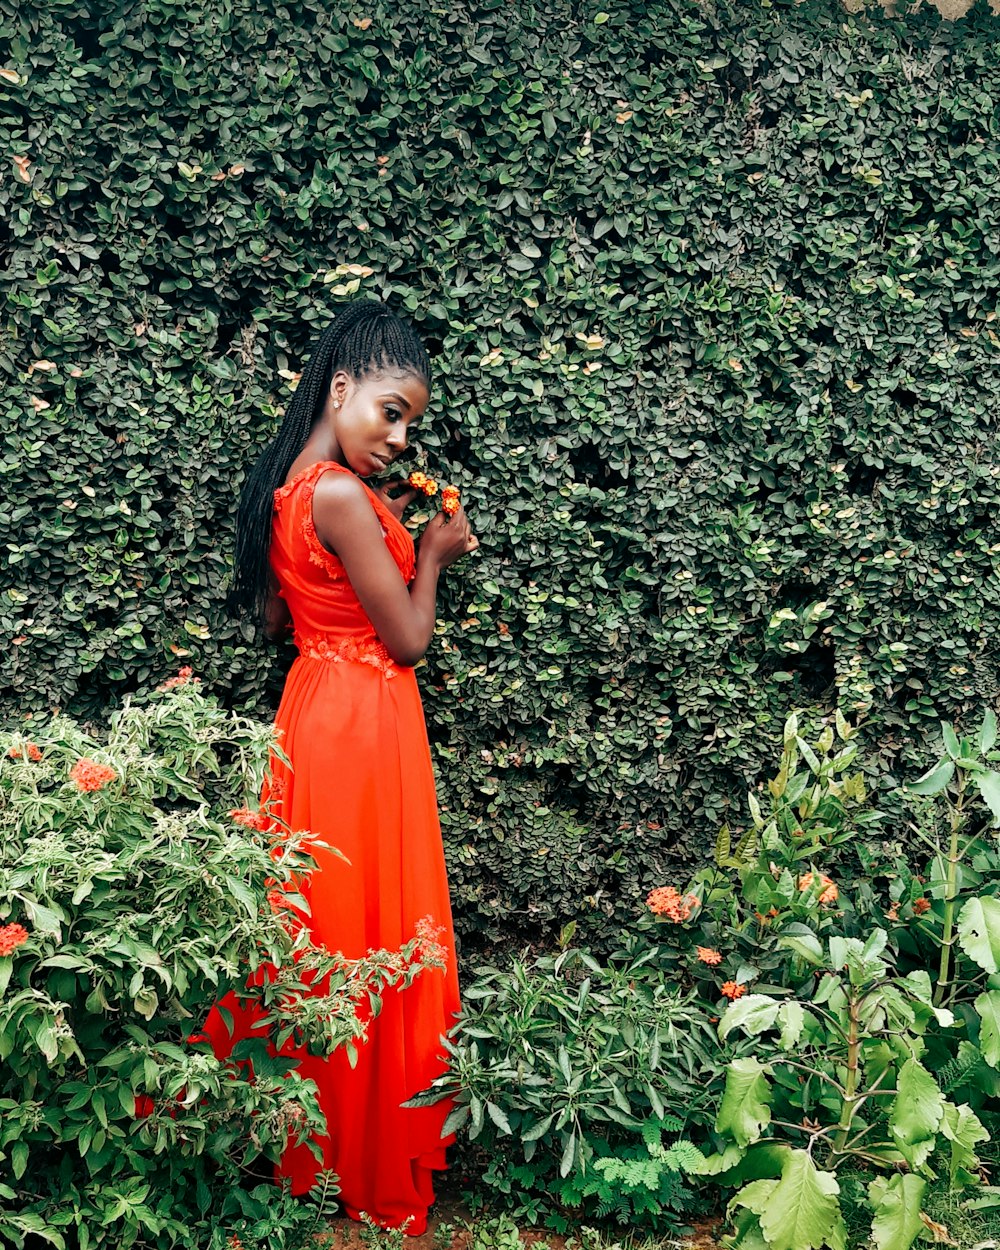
point(132, 896)
point(866, 1081)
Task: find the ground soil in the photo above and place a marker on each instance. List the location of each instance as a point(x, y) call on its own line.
point(451, 1212)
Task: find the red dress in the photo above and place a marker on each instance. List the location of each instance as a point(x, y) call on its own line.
point(352, 724)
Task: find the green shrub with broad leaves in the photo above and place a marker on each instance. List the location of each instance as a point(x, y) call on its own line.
point(855, 1069)
point(130, 901)
point(711, 290)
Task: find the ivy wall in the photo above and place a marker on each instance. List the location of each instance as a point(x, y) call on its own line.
point(711, 290)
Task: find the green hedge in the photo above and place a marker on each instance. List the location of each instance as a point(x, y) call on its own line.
point(711, 289)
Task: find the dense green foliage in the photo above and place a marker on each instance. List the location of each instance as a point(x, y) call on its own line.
point(130, 902)
point(711, 290)
point(864, 1084)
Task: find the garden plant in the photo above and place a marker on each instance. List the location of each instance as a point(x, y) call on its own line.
point(630, 1087)
point(133, 895)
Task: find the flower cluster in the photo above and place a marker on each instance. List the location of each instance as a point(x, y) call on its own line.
point(829, 892)
point(184, 678)
point(733, 990)
point(250, 820)
point(30, 749)
point(11, 937)
point(708, 956)
point(87, 774)
point(666, 901)
point(428, 486)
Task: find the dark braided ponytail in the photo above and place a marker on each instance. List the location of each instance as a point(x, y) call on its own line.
point(364, 337)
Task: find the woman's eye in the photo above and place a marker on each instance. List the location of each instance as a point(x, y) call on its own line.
point(393, 414)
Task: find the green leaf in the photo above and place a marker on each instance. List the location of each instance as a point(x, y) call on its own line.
point(498, 1117)
point(988, 732)
point(989, 788)
point(754, 1013)
point(988, 1006)
point(896, 1203)
point(934, 781)
point(963, 1128)
point(979, 932)
point(950, 738)
point(803, 1210)
point(916, 1112)
point(801, 940)
point(792, 1018)
point(744, 1111)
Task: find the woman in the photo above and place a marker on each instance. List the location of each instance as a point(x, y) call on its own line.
point(322, 553)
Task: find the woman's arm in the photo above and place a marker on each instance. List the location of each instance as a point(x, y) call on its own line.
point(347, 525)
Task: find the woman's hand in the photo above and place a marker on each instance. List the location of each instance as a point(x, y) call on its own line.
point(396, 504)
point(446, 540)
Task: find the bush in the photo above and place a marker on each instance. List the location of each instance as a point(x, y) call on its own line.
point(711, 293)
point(859, 1081)
point(130, 903)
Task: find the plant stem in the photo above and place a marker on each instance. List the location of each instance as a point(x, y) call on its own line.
point(944, 990)
point(853, 1071)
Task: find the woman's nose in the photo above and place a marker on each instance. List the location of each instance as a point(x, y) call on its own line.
point(397, 438)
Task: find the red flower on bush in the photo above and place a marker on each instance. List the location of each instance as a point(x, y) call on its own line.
point(732, 990)
point(11, 937)
point(250, 820)
point(87, 774)
point(666, 901)
point(30, 749)
point(708, 956)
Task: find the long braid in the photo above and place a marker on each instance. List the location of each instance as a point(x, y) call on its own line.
point(364, 337)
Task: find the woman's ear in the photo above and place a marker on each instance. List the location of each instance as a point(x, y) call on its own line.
point(340, 387)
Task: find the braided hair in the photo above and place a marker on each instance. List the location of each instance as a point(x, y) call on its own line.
point(363, 338)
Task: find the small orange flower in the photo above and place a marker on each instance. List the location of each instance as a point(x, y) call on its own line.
point(450, 501)
point(708, 956)
point(733, 990)
point(829, 893)
point(250, 820)
point(184, 678)
point(30, 750)
point(921, 906)
point(665, 900)
point(11, 937)
point(88, 775)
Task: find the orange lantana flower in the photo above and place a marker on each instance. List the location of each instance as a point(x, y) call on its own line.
point(30, 749)
point(665, 900)
point(88, 775)
point(11, 937)
point(829, 892)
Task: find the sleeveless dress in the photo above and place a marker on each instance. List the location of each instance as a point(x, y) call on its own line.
point(352, 724)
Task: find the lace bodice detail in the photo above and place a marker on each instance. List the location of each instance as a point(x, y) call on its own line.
point(329, 620)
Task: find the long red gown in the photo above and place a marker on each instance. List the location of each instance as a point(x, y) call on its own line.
point(352, 724)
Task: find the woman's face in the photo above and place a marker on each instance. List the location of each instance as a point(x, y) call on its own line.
point(374, 417)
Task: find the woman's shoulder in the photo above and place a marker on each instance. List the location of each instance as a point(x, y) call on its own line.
point(307, 480)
